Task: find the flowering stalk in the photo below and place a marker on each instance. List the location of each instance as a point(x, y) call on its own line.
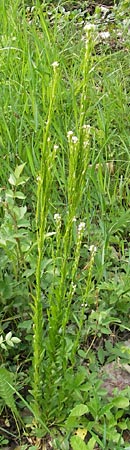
point(72, 289)
point(93, 250)
point(45, 179)
point(89, 31)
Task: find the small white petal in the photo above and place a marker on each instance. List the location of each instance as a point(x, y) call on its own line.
point(104, 35)
point(69, 134)
point(55, 64)
point(89, 27)
point(93, 249)
point(57, 217)
point(81, 227)
point(74, 139)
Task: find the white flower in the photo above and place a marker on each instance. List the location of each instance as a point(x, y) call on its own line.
point(85, 143)
point(104, 35)
point(81, 227)
point(89, 27)
point(90, 34)
point(74, 139)
point(57, 217)
point(55, 64)
point(93, 249)
point(73, 287)
point(56, 147)
point(86, 127)
point(69, 134)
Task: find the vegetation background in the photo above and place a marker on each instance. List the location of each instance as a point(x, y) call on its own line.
point(64, 225)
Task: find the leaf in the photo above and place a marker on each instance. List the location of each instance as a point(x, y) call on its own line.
point(101, 355)
point(76, 413)
point(120, 402)
point(15, 340)
point(6, 392)
point(9, 194)
point(3, 346)
point(122, 222)
point(19, 170)
point(22, 211)
point(2, 242)
point(10, 343)
point(91, 444)
point(12, 179)
point(8, 336)
point(22, 181)
point(79, 410)
point(77, 443)
point(23, 223)
point(126, 366)
point(2, 343)
point(71, 423)
point(82, 353)
point(1, 339)
point(20, 195)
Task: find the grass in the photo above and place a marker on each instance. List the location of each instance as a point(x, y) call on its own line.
point(65, 221)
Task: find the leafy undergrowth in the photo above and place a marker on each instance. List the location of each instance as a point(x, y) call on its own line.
point(65, 226)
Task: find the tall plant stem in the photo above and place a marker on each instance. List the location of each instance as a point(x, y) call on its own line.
point(43, 192)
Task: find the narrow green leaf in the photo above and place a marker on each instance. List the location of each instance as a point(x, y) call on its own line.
point(101, 355)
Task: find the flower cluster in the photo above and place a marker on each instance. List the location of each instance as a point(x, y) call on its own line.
point(81, 227)
point(90, 34)
point(73, 287)
point(92, 249)
point(55, 64)
point(57, 218)
point(71, 137)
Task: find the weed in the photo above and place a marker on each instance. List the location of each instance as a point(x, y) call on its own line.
point(65, 222)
